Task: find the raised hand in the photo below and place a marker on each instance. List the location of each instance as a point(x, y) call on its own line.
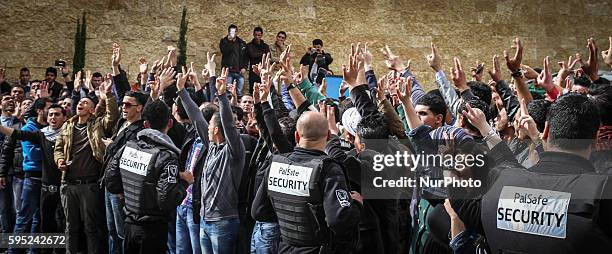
point(477, 75)
point(566, 68)
point(323, 88)
point(77, 81)
point(545, 78)
point(590, 67)
point(458, 75)
point(264, 88)
point(2, 75)
point(221, 82)
point(43, 90)
point(157, 64)
point(143, 65)
point(381, 88)
point(210, 64)
point(392, 61)
point(172, 58)
point(606, 55)
point(514, 64)
point(433, 59)
point(351, 71)
point(343, 87)
point(181, 78)
point(298, 77)
point(166, 78)
point(495, 73)
point(405, 84)
point(116, 57)
point(155, 88)
point(107, 86)
point(88, 77)
point(457, 225)
point(477, 118)
point(368, 58)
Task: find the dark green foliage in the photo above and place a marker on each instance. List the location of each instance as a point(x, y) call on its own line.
point(182, 42)
point(80, 37)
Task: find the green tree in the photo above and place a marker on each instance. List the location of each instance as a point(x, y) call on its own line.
point(182, 42)
point(80, 37)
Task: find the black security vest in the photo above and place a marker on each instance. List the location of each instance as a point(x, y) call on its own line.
point(297, 200)
point(140, 179)
point(525, 221)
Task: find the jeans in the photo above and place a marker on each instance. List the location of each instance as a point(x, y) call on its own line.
point(115, 218)
point(30, 209)
point(84, 205)
point(266, 236)
point(187, 231)
point(239, 81)
point(218, 237)
point(10, 202)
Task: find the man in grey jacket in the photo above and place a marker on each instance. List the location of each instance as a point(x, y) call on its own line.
point(222, 170)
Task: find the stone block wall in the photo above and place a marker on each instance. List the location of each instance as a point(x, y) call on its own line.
point(36, 33)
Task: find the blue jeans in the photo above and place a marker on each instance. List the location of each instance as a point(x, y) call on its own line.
point(30, 208)
point(218, 237)
point(239, 81)
point(10, 203)
point(187, 231)
point(115, 219)
point(266, 236)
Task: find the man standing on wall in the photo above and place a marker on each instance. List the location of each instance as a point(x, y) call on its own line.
point(234, 57)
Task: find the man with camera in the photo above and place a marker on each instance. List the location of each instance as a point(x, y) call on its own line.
point(318, 61)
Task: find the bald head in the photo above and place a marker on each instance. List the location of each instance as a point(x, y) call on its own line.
point(312, 126)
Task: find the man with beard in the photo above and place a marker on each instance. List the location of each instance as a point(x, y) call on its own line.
point(79, 152)
point(126, 129)
point(52, 215)
point(8, 204)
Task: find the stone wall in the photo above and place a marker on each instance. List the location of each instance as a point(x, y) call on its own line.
point(35, 33)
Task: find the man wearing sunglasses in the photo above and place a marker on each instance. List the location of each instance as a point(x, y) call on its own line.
point(125, 130)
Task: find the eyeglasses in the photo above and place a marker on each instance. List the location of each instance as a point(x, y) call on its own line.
point(128, 105)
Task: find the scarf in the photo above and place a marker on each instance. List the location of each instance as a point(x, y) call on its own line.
point(50, 133)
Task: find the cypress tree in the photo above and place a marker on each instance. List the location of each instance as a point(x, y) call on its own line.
point(182, 42)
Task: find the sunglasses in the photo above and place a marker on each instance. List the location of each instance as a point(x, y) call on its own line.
point(128, 105)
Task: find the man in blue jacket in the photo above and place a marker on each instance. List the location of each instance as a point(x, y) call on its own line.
point(32, 168)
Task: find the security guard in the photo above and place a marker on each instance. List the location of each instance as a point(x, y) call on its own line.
point(560, 205)
point(146, 172)
point(308, 193)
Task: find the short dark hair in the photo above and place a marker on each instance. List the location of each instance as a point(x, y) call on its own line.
point(373, 130)
point(5, 94)
point(538, 109)
point(51, 70)
point(232, 26)
point(602, 96)
point(435, 102)
point(209, 110)
point(317, 42)
point(55, 105)
point(573, 120)
point(218, 122)
point(24, 69)
point(140, 97)
point(482, 90)
point(39, 103)
point(17, 85)
point(479, 104)
point(97, 75)
point(288, 127)
point(582, 81)
point(157, 114)
point(239, 112)
point(179, 105)
point(283, 33)
point(258, 29)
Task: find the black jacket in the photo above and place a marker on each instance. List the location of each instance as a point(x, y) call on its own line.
point(51, 175)
point(169, 187)
point(120, 138)
point(255, 51)
point(11, 158)
point(234, 54)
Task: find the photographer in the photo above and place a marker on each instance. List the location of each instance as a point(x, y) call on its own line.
point(318, 61)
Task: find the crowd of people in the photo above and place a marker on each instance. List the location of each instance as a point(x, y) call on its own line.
point(187, 161)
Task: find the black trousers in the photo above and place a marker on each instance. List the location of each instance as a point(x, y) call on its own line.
point(85, 202)
point(52, 216)
point(146, 237)
point(252, 79)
